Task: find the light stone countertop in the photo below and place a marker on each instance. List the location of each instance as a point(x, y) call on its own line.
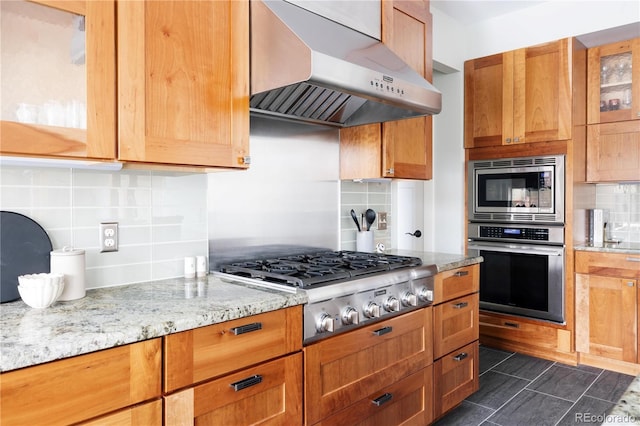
point(623, 247)
point(627, 410)
point(113, 316)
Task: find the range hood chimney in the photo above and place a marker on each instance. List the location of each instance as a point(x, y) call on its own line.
point(309, 68)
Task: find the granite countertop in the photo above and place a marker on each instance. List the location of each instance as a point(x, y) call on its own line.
point(627, 410)
point(113, 316)
point(621, 247)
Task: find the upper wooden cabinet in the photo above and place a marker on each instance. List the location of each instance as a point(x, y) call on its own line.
point(59, 79)
point(613, 152)
point(183, 82)
point(520, 96)
point(614, 82)
point(403, 148)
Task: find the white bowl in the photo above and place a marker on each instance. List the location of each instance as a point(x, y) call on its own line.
point(40, 290)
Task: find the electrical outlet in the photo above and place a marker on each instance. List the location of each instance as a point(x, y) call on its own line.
point(382, 221)
point(108, 236)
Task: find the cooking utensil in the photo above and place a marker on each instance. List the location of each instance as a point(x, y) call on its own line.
point(25, 249)
point(370, 216)
point(355, 219)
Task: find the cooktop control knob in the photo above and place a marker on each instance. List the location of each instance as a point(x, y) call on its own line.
point(371, 310)
point(324, 322)
point(392, 304)
point(425, 294)
point(409, 299)
point(349, 316)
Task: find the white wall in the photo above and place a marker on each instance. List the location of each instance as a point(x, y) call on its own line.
point(453, 43)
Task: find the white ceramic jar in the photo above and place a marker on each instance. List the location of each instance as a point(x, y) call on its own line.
point(71, 263)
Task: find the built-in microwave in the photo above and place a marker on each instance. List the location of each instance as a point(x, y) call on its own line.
point(525, 189)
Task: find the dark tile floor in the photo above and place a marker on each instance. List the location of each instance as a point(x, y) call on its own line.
point(517, 389)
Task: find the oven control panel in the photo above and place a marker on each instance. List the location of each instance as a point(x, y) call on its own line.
point(537, 234)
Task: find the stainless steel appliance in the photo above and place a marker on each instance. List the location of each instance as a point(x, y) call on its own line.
point(307, 67)
point(526, 190)
point(523, 268)
point(346, 289)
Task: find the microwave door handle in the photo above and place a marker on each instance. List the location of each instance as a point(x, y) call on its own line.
point(539, 251)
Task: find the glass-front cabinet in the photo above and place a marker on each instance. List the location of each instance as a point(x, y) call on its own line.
point(57, 82)
point(614, 82)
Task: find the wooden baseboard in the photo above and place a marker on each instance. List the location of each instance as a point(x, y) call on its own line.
point(609, 364)
point(569, 358)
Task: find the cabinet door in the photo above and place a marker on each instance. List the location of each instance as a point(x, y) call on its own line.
point(361, 152)
point(613, 151)
point(607, 307)
point(149, 414)
point(78, 388)
point(183, 82)
point(488, 101)
point(59, 91)
point(542, 93)
point(455, 377)
point(407, 402)
point(269, 393)
point(455, 324)
point(344, 369)
point(407, 144)
point(613, 78)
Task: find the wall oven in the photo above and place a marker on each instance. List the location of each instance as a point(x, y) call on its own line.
point(523, 269)
point(527, 189)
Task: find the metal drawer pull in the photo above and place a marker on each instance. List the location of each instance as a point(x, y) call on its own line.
point(245, 383)
point(633, 259)
point(248, 328)
point(512, 324)
point(382, 399)
point(460, 356)
point(460, 305)
point(461, 273)
point(383, 330)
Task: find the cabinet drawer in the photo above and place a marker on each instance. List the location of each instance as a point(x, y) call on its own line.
point(344, 369)
point(455, 324)
point(455, 283)
point(203, 353)
point(79, 388)
point(149, 414)
point(408, 401)
point(269, 392)
point(611, 264)
point(455, 377)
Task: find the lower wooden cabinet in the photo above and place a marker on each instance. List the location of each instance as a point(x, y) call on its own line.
point(607, 314)
point(455, 377)
point(148, 414)
point(343, 371)
point(270, 393)
point(76, 389)
point(406, 402)
point(455, 324)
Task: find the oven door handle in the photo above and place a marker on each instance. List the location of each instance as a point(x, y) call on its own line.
point(509, 248)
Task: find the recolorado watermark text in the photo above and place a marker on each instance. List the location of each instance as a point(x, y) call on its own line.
point(616, 419)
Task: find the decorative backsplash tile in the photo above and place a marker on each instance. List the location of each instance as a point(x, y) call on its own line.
point(360, 196)
point(162, 217)
point(621, 203)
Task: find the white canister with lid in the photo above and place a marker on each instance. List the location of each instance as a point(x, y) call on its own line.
point(71, 263)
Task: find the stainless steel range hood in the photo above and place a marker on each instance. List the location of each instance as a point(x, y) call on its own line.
point(307, 67)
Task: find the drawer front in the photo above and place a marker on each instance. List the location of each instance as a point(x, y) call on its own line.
point(149, 414)
point(266, 393)
point(455, 283)
point(613, 264)
point(455, 324)
point(406, 402)
point(75, 389)
point(344, 369)
point(455, 377)
point(197, 355)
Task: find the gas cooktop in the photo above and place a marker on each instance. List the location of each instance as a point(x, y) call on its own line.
point(321, 268)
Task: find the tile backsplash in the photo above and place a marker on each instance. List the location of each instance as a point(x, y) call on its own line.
point(621, 203)
point(360, 196)
point(162, 217)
